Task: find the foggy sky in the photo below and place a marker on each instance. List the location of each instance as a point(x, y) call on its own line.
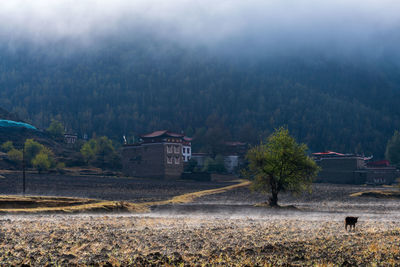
point(344, 25)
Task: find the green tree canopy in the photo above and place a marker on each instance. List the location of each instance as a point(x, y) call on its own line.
point(89, 150)
point(280, 164)
point(7, 146)
point(32, 148)
point(56, 129)
point(101, 152)
point(15, 155)
point(38, 156)
point(214, 165)
point(393, 149)
point(41, 162)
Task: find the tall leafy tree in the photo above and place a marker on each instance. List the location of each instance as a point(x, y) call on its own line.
point(32, 148)
point(38, 155)
point(280, 164)
point(89, 150)
point(41, 162)
point(56, 129)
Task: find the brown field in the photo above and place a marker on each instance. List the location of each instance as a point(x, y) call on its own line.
point(309, 239)
point(219, 229)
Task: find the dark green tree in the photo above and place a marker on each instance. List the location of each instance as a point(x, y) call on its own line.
point(191, 166)
point(219, 164)
point(393, 149)
point(280, 164)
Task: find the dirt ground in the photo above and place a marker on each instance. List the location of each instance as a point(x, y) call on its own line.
point(216, 230)
point(99, 187)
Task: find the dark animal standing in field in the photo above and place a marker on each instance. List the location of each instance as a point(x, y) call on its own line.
point(351, 221)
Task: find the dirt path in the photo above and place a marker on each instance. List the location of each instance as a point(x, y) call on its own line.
point(107, 206)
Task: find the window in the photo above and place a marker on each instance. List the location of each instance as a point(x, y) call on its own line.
point(169, 160)
point(169, 148)
point(177, 149)
point(176, 160)
point(188, 150)
point(184, 150)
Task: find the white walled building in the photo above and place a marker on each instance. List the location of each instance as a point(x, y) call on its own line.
point(187, 148)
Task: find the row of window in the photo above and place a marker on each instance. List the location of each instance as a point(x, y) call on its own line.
point(175, 149)
point(171, 147)
point(170, 159)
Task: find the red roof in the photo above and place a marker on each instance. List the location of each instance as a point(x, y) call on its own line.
point(161, 133)
point(380, 163)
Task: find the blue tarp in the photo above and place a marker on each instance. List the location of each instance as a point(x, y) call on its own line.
point(8, 123)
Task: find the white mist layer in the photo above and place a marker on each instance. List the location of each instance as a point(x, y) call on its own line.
point(253, 24)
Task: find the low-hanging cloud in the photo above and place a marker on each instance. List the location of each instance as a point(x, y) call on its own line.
point(352, 25)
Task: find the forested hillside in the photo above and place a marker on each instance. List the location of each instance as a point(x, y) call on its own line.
point(117, 89)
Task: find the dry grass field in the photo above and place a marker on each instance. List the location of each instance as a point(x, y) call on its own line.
point(143, 240)
point(217, 227)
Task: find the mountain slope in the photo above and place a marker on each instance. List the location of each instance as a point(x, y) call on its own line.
point(349, 106)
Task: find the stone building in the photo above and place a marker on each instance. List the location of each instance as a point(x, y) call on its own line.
point(381, 172)
point(70, 138)
point(158, 155)
point(352, 169)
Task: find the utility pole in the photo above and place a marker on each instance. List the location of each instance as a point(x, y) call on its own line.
point(23, 169)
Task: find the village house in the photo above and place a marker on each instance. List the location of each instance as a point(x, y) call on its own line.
point(381, 172)
point(70, 138)
point(160, 154)
point(353, 169)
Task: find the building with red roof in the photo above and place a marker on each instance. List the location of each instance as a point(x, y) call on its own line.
point(353, 169)
point(160, 154)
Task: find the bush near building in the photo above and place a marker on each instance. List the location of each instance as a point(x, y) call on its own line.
point(100, 152)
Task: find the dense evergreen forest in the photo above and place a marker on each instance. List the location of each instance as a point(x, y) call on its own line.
point(118, 88)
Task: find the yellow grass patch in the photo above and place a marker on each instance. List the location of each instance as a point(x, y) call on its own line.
point(36, 204)
point(189, 197)
point(378, 194)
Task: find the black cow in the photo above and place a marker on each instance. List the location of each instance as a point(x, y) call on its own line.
point(351, 221)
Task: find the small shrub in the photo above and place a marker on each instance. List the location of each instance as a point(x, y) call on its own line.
point(41, 162)
point(7, 146)
point(15, 155)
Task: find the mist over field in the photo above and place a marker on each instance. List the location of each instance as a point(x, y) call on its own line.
point(329, 70)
